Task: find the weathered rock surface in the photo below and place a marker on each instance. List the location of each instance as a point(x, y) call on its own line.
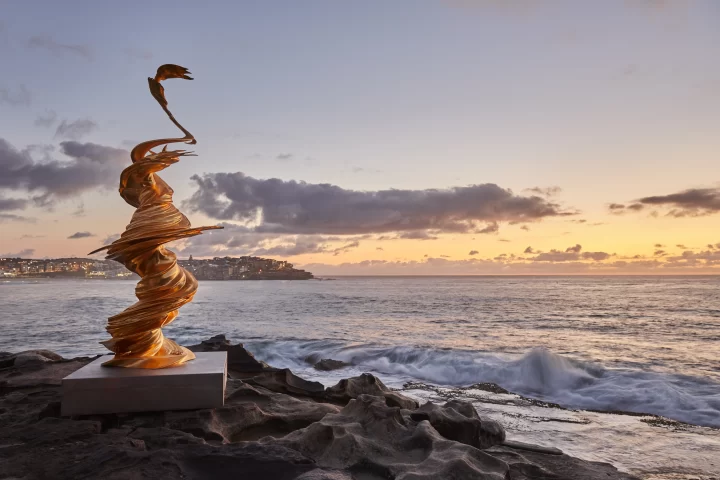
point(269, 428)
point(367, 384)
point(373, 440)
point(284, 381)
point(28, 357)
point(459, 421)
point(239, 360)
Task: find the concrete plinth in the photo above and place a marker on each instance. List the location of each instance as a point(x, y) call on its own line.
point(95, 389)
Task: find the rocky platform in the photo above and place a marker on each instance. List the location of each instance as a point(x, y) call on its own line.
point(274, 426)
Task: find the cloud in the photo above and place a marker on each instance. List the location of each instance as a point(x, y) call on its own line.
point(21, 98)
point(504, 240)
point(242, 240)
point(575, 249)
point(12, 203)
point(284, 157)
point(491, 228)
point(110, 238)
point(90, 166)
point(293, 207)
point(47, 120)
point(301, 246)
point(705, 258)
point(544, 191)
point(77, 235)
point(9, 217)
point(47, 43)
point(77, 129)
point(620, 209)
point(659, 245)
point(659, 253)
point(525, 227)
point(556, 256)
point(473, 252)
point(571, 254)
point(28, 252)
point(680, 245)
point(345, 248)
point(379, 249)
point(417, 235)
point(596, 256)
point(692, 202)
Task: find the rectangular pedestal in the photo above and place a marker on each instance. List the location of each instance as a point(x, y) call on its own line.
point(95, 389)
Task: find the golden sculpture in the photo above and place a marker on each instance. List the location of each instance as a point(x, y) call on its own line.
point(137, 340)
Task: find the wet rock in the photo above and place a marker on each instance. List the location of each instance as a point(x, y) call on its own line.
point(459, 421)
point(327, 364)
point(531, 447)
point(239, 359)
point(367, 384)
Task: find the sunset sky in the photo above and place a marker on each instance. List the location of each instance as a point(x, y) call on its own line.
point(375, 136)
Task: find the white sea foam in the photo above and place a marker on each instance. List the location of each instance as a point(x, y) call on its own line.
point(538, 373)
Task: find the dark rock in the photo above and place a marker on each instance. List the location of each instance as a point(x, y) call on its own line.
point(372, 440)
point(275, 425)
point(29, 357)
point(249, 413)
point(367, 384)
point(284, 381)
point(52, 409)
point(529, 465)
point(239, 360)
point(327, 364)
point(459, 421)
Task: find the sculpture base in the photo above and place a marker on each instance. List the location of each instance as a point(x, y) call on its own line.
point(95, 389)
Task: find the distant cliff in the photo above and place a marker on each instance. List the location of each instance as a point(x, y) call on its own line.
point(243, 268)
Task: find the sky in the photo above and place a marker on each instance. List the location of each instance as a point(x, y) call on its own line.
point(411, 137)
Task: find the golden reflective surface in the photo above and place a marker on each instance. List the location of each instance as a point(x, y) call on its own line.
point(137, 339)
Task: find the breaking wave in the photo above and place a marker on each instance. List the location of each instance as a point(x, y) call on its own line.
point(539, 373)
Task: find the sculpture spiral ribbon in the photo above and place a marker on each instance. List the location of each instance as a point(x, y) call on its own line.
point(137, 340)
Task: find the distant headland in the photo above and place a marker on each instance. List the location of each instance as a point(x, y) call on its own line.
point(217, 268)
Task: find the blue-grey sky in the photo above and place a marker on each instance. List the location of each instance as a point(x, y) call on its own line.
point(611, 101)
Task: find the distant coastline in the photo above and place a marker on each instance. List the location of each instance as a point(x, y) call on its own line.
point(218, 268)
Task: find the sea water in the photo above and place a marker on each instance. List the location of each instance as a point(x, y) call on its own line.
point(629, 344)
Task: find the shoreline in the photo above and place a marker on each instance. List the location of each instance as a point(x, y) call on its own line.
point(29, 386)
point(532, 425)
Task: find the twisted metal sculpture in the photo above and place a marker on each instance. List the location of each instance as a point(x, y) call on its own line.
point(137, 340)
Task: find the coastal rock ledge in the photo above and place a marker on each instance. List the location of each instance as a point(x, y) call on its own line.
point(274, 426)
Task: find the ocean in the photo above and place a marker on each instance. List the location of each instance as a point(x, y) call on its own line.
point(588, 344)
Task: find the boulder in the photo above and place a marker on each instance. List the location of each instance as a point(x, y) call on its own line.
point(367, 384)
point(239, 359)
point(29, 357)
point(284, 381)
point(525, 464)
point(327, 364)
point(459, 421)
point(373, 440)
